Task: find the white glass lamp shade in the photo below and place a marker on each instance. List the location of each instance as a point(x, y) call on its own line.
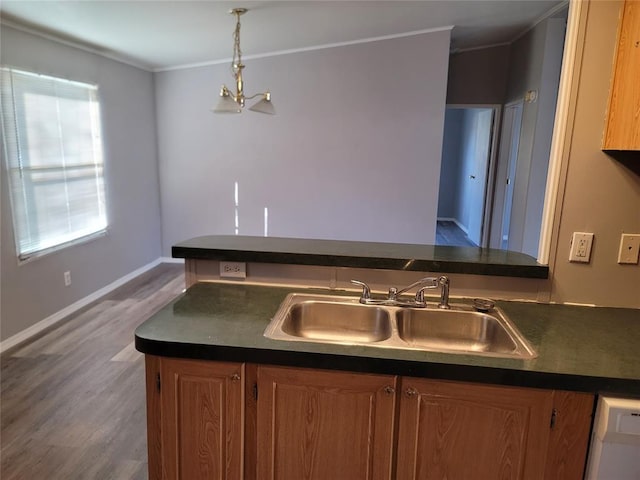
point(264, 105)
point(226, 104)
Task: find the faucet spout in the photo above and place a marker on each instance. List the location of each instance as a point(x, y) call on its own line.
point(366, 291)
point(424, 283)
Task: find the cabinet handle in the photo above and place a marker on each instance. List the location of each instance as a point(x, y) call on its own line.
point(235, 377)
point(389, 390)
point(411, 392)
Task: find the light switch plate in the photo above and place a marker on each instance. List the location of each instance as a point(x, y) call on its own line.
point(581, 243)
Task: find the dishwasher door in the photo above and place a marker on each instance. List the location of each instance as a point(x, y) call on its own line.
point(615, 442)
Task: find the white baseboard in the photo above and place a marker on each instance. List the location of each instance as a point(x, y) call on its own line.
point(74, 307)
point(455, 220)
point(462, 227)
point(171, 260)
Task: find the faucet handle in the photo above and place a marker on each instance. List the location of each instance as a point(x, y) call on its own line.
point(443, 281)
point(393, 293)
point(366, 291)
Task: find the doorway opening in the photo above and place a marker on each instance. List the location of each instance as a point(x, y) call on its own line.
point(466, 182)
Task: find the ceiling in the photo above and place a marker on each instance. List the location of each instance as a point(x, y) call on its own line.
point(159, 35)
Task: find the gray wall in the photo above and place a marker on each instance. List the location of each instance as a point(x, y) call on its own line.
point(541, 148)
point(450, 166)
point(35, 290)
point(353, 152)
point(535, 64)
point(598, 194)
point(478, 76)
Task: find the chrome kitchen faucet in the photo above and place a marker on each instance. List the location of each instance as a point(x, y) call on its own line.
point(419, 301)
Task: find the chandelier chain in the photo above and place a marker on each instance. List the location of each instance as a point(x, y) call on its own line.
point(237, 53)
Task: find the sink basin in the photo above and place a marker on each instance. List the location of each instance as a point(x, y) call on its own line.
point(455, 330)
point(343, 320)
point(337, 322)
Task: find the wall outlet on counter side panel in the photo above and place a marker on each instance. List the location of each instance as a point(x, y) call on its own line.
point(67, 279)
point(233, 270)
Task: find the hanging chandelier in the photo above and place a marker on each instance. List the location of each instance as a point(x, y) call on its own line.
point(231, 102)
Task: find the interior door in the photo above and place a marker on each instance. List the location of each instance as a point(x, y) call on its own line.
point(478, 168)
point(505, 175)
point(514, 142)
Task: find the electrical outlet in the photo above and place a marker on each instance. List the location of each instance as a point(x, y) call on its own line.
point(581, 247)
point(67, 279)
point(233, 270)
point(629, 248)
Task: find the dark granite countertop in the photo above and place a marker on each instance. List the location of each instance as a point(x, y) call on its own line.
point(588, 349)
point(337, 253)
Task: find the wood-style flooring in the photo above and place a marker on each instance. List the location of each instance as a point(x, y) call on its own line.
point(448, 233)
point(73, 400)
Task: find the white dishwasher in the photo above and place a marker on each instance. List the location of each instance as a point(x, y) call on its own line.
point(615, 441)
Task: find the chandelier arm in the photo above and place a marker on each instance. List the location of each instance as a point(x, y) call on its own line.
point(256, 95)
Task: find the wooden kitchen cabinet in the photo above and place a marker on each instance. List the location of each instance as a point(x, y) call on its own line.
point(195, 419)
point(458, 431)
point(307, 424)
point(622, 131)
point(318, 425)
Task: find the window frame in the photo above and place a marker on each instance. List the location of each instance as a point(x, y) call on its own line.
point(7, 167)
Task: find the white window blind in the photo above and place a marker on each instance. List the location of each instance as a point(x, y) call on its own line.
point(53, 151)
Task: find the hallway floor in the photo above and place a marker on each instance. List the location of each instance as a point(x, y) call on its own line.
point(448, 233)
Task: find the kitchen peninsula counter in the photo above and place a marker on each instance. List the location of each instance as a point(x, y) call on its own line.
point(338, 253)
point(584, 349)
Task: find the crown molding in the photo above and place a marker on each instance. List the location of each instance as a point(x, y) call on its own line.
point(480, 47)
point(308, 49)
point(74, 44)
point(541, 19)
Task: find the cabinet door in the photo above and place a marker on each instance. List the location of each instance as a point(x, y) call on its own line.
point(623, 122)
point(321, 425)
point(202, 408)
point(463, 431)
point(569, 437)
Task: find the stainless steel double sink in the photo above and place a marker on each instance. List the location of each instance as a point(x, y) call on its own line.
point(344, 320)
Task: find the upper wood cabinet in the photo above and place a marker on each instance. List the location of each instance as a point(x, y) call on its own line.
point(622, 130)
point(319, 425)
